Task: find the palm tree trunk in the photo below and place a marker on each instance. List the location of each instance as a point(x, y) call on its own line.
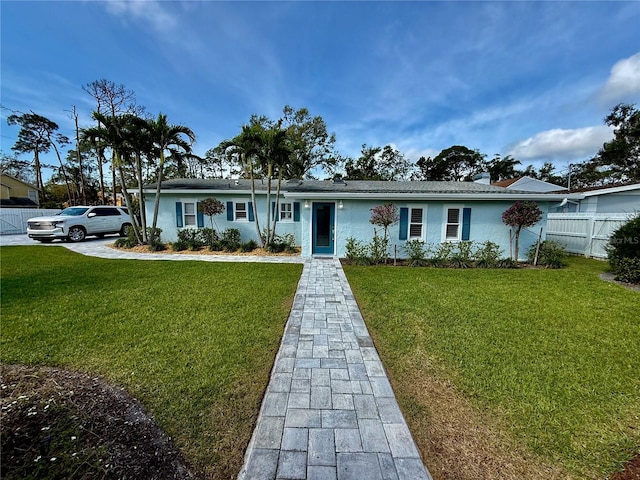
point(141, 203)
point(253, 201)
point(156, 201)
point(269, 172)
point(128, 202)
point(101, 174)
point(277, 208)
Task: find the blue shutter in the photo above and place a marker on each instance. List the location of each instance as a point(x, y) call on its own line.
point(404, 223)
point(230, 211)
point(200, 216)
point(296, 211)
point(466, 223)
point(250, 207)
point(179, 214)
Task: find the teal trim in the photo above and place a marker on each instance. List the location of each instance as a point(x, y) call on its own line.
point(179, 214)
point(200, 216)
point(230, 211)
point(296, 211)
point(404, 223)
point(466, 223)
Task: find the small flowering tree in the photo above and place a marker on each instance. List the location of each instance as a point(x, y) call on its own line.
point(521, 215)
point(384, 216)
point(211, 207)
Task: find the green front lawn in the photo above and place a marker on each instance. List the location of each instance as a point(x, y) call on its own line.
point(193, 341)
point(554, 354)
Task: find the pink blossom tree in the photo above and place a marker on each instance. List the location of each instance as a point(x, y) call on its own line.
point(521, 215)
point(384, 216)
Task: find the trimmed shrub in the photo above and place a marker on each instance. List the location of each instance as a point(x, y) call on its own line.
point(357, 252)
point(207, 237)
point(551, 254)
point(628, 270)
point(282, 243)
point(379, 249)
point(442, 254)
point(462, 256)
point(191, 238)
point(248, 246)
point(179, 246)
point(417, 252)
point(230, 241)
point(624, 251)
point(488, 255)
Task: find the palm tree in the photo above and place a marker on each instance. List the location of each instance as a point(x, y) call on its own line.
point(115, 132)
point(244, 149)
point(166, 138)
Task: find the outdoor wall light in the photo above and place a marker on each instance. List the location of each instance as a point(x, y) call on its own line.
point(340, 204)
point(306, 204)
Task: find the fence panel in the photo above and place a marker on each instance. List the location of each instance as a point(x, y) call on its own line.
point(584, 233)
point(14, 220)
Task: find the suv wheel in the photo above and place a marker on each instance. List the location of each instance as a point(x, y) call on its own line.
point(77, 234)
point(124, 231)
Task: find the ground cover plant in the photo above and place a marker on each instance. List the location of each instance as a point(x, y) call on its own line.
point(526, 373)
point(193, 341)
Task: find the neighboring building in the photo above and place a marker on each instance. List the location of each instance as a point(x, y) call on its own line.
point(17, 194)
point(529, 184)
point(611, 199)
point(322, 215)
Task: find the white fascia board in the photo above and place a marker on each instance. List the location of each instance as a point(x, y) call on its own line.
point(544, 197)
point(604, 191)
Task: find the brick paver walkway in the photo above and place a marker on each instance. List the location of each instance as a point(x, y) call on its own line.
point(329, 411)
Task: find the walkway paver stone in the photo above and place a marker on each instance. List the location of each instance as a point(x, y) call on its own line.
point(329, 399)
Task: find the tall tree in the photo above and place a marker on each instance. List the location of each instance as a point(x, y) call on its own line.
point(310, 143)
point(461, 162)
point(166, 138)
point(37, 135)
point(20, 169)
point(379, 163)
point(111, 99)
point(430, 169)
point(501, 168)
point(619, 158)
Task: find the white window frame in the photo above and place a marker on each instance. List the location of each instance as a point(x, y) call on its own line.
point(245, 218)
point(286, 215)
point(422, 224)
point(445, 223)
point(186, 202)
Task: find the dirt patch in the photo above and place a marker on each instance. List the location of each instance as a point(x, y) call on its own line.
point(631, 470)
point(62, 424)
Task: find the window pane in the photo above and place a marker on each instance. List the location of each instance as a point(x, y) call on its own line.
point(416, 215)
point(452, 231)
point(189, 208)
point(241, 206)
point(189, 220)
point(453, 215)
point(415, 230)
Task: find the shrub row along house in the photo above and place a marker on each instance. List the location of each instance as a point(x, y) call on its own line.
point(323, 214)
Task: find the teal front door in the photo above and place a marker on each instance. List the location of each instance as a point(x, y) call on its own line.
point(323, 228)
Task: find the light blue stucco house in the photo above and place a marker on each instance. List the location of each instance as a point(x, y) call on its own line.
point(323, 214)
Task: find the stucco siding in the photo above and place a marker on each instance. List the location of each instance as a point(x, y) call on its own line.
point(167, 216)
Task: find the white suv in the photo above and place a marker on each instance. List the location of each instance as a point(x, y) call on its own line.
point(76, 223)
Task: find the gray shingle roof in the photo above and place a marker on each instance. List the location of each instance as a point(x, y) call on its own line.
point(328, 186)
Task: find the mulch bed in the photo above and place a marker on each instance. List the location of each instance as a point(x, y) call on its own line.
point(631, 470)
point(61, 424)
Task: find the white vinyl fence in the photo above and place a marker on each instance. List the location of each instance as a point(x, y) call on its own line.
point(14, 220)
point(584, 233)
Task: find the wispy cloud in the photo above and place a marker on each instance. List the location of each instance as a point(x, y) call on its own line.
point(150, 11)
point(562, 144)
point(623, 83)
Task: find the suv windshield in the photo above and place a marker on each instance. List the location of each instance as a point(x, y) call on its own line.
point(73, 211)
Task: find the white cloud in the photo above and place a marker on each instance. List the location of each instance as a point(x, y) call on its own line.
point(150, 11)
point(562, 144)
point(624, 81)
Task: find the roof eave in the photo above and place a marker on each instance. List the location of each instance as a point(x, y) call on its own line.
point(433, 196)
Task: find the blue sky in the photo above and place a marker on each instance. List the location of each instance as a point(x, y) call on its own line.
point(530, 79)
